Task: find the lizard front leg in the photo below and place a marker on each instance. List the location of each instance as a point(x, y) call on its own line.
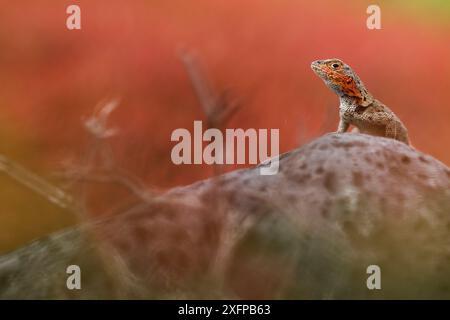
point(343, 126)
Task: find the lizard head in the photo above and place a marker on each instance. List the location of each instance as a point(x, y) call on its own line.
point(340, 78)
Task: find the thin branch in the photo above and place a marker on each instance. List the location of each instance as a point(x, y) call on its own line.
point(37, 184)
point(97, 128)
point(218, 108)
point(96, 124)
point(119, 178)
point(201, 85)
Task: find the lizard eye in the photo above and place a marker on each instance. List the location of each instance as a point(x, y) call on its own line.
point(335, 65)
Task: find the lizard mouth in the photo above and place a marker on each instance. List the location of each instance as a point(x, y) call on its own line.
point(317, 68)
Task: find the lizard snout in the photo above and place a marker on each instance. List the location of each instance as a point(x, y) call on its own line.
point(316, 66)
point(316, 63)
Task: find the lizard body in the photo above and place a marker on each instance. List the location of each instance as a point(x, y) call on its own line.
point(357, 106)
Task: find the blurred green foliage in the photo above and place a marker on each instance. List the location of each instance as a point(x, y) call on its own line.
point(427, 10)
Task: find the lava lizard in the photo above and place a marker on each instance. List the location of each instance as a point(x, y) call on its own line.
point(357, 105)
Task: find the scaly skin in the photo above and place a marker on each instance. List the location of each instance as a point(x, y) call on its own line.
point(357, 105)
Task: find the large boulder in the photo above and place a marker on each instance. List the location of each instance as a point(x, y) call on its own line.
point(338, 205)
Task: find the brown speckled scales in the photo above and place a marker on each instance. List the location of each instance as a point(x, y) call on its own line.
point(357, 105)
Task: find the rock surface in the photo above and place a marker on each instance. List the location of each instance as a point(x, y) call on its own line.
point(338, 205)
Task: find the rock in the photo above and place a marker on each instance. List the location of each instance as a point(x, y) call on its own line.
point(338, 205)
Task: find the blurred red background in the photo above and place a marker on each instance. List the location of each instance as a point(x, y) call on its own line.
point(51, 78)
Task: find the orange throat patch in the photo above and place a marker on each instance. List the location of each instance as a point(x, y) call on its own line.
point(344, 82)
